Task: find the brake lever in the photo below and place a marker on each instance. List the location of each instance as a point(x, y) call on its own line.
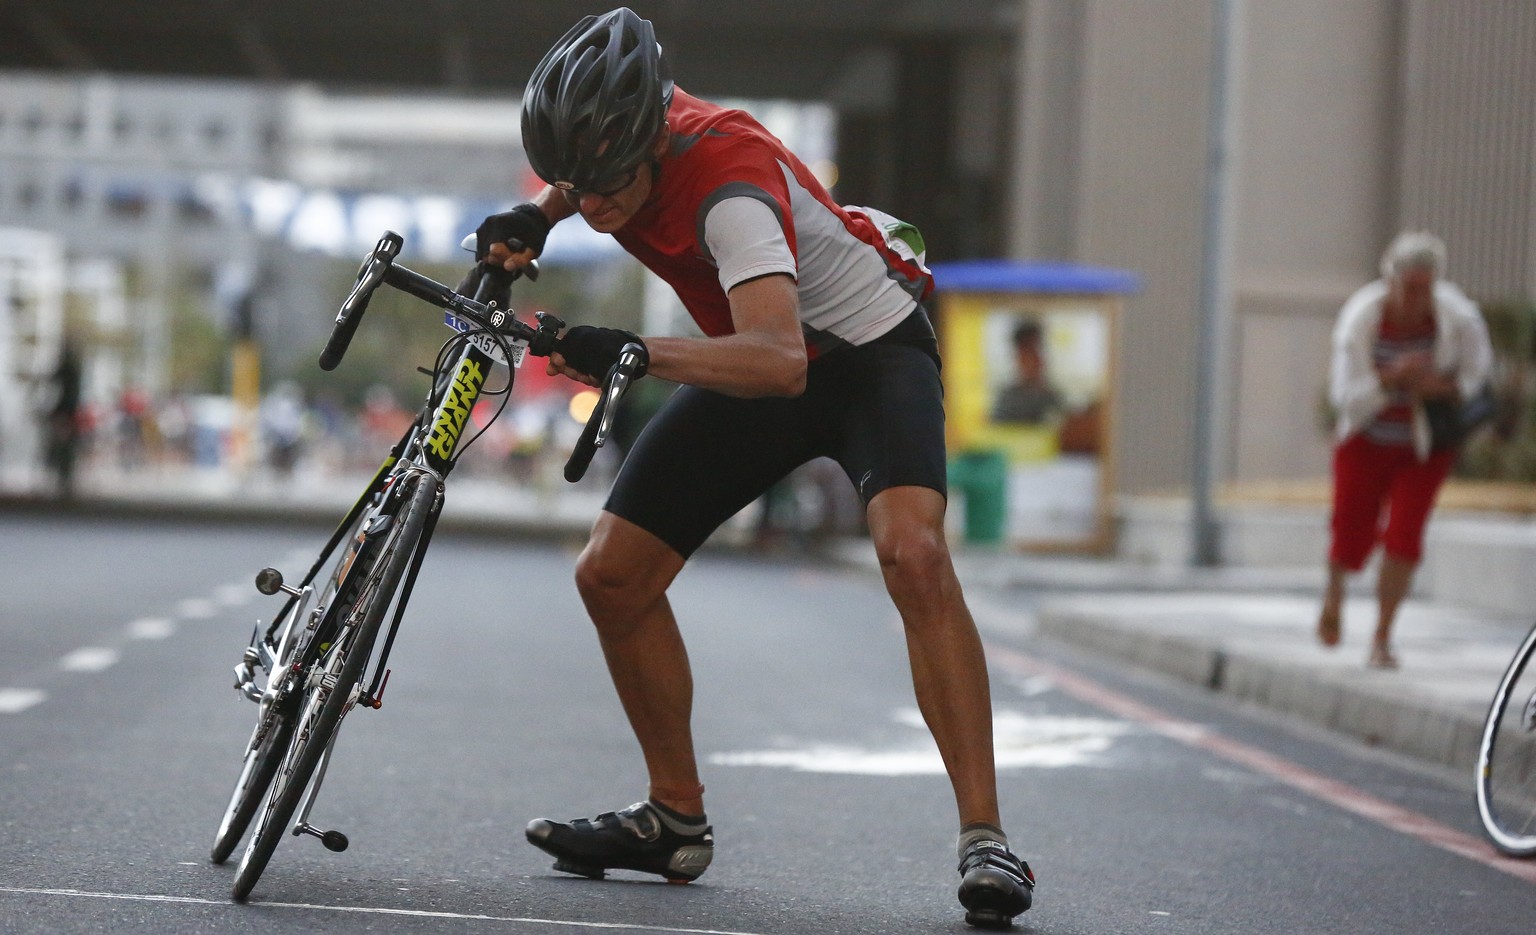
point(632, 358)
point(629, 362)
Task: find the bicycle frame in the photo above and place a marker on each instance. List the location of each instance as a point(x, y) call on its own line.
point(323, 660)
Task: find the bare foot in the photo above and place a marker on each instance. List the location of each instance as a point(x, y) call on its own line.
point(1328, 626)
point(1382, 657)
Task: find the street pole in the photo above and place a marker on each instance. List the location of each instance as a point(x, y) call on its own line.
point(1211, 344)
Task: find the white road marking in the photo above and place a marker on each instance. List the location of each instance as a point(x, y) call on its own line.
point(233, 595)
point(89, 659)
point(1020, 741)
point(372, 910)
point(98, 658)
point(151, 628)
point(197, 608)
point(15, 700)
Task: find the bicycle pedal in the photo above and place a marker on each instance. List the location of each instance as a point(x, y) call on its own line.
point(333, 840)
point(581, 870)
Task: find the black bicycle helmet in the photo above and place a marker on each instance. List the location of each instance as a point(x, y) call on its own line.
point(596, 101)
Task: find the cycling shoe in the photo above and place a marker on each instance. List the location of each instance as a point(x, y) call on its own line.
point(995, 885)
point(635, 838)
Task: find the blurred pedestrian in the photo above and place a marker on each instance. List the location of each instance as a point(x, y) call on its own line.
point(283, 417)
point(62, 417)
point(132, 427)
point(1403, 342)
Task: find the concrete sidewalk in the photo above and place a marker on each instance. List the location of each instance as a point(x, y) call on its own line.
point(1247, 632)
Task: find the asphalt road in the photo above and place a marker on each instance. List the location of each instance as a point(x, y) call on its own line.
point(1143, 806)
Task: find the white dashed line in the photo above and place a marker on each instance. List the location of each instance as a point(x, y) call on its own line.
point(151, 628)
point(197, 608)
point(233, 595)
point(88, 659)
point(99, 658)
point(14, 700)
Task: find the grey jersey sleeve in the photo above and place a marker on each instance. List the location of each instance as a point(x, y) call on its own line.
point(745, 240)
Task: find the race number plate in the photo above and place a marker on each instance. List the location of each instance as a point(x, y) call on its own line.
point(486, 343)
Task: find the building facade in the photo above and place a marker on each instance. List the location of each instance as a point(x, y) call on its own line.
point(1346, 123)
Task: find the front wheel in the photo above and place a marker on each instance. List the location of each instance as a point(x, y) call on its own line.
point(1506, 759)
point(332, 675)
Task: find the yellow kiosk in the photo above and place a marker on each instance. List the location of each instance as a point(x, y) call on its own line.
point(1029, 352)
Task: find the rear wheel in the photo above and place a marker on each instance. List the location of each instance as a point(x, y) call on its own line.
point(269, 741)
point(1506, 760)
point(332, 677)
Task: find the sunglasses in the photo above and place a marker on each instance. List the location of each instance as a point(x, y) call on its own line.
point(607, 188)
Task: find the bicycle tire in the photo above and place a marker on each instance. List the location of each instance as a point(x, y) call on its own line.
point(264, 753)
point(1506, 758)
point(274, 729)
point(324, 705)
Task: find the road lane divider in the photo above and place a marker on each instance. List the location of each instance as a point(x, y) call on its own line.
point(17, 700)
point(151, 628)
point(89, 659)
point(14, 700)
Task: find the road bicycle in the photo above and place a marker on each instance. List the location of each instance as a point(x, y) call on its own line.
point(319, 658)
point(1506, 758)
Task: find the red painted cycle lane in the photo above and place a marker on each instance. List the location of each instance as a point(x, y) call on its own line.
point(1340, 794)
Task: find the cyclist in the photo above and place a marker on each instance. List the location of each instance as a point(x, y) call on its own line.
point(816, 344)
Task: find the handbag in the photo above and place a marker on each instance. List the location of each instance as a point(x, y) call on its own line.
point(1450, 421)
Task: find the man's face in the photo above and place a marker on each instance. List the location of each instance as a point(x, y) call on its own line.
point(605, 211)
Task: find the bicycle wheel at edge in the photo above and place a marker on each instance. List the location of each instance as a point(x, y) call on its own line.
point(274, 730)
point(1506, 759)
point(324, 707)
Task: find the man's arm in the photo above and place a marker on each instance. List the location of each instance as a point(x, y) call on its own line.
point(765, 357)
point(554, 205)
point(745, 236)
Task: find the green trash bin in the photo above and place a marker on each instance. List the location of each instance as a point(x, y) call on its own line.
point(981, 477)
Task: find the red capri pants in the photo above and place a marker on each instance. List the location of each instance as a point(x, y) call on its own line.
point(1369, 479)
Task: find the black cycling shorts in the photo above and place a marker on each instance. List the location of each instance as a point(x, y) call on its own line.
point(877, 409)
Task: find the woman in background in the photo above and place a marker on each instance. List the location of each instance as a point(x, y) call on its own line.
point(1401, 341)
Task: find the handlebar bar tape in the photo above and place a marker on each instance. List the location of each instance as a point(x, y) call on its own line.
point(633, 361)
point(586, 446)
point(351, 315)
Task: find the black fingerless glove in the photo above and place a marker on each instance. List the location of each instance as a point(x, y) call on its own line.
point(525, 224)
point(593, 351)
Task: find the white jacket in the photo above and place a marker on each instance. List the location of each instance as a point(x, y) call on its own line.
point(1461, 347)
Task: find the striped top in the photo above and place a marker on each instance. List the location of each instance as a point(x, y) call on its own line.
point(1393, 425)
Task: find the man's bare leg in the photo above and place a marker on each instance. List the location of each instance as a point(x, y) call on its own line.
point(623, 576)
point(949, 669)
